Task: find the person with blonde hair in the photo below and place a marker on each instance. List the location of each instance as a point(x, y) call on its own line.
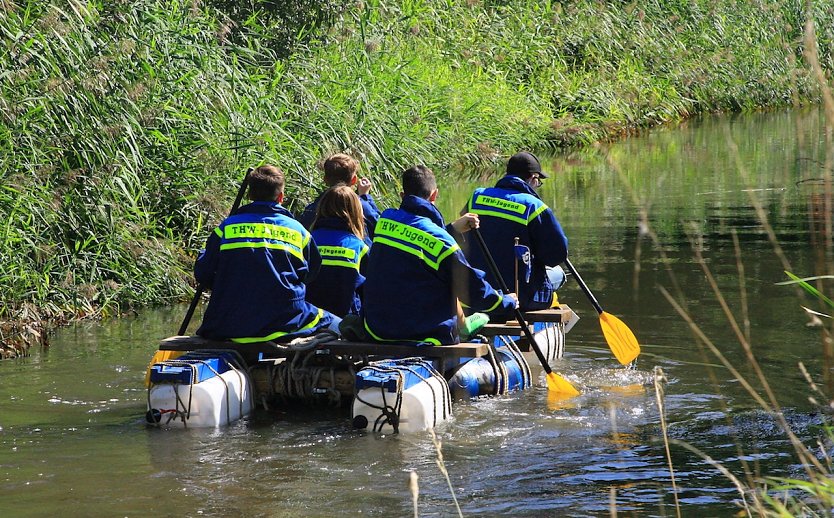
point(339, 230)
point(342, 168)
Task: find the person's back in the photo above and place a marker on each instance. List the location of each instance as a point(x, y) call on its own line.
point(338, 231)
point(343, 169)
point(255, 263)
point(511, 210)
point(417, 273)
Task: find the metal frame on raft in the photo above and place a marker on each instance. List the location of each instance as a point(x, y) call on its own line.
point(325, 370)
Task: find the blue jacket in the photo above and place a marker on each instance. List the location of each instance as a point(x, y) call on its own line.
point(369, 209)
point(416, 273)
point(256, 263)
point(513, 209)
point(338, 286)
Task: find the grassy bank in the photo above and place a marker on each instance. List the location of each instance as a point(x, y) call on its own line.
point(125, 126)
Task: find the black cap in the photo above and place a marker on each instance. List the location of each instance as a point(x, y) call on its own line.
point(524, 165)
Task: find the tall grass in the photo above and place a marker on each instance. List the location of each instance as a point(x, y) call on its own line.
point(812, 494)
point(125, 126)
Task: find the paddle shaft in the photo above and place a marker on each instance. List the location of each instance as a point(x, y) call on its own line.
point(583, 286)
point(200, 288)
point(619, 337)
point(515, 255)
point(518, 315)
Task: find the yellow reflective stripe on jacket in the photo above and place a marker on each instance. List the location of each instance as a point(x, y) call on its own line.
point(265, 231)
point(502, 204)
point(403, 232)
point(500, 299)
point(497, 303)
point(340, 262)
point(264, 244)
point(433, 341)
point(504, 209)
point(337, 251)
point(264, 235)
point(279, 334)
point(399, 235)
point(536, 213)
point(434, 263)
point(341, 256)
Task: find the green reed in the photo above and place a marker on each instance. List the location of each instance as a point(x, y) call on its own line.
point(125, 126)
point(814, 494)
point(811, 493)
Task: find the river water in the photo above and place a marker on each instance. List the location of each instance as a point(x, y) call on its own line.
point(73, 440)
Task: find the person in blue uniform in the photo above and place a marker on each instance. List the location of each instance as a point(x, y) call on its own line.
point(256, 263)
point(341, 168)
point(512, 209)
point(417, 272)
point(339, 230)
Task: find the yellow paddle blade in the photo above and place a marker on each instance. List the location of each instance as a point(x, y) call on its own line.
point(557, 402)
point(620, 338)
point(561, 386)
point(635, 389)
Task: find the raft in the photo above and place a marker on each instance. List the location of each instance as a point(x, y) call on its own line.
point(196, 382)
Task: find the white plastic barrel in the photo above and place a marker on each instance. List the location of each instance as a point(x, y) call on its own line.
point(550, 338)
point(405, 395)
point(211, 399)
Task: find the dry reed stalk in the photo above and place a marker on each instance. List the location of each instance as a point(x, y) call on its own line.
point(742, 286)
point(442, 466)
point(742, 490)
point(659, 379)
point(414, 487)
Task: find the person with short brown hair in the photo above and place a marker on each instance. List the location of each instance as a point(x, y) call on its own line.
point(342, 168)
point(256, 263)
point(417, 273)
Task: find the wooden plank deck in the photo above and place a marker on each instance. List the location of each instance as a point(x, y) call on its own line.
point(512, 328)
point(462, 350)
point(443, 353)
point(562, 314)
point(269, 350)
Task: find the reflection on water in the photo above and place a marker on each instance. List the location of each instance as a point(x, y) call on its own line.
point(73, 440)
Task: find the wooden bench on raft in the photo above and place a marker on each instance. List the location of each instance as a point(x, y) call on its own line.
point(444, 354)
point(513, 328)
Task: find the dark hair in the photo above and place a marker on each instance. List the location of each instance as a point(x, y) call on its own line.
point(265, 183)
point(419, 181)
point(341, 202)
point(340, 168)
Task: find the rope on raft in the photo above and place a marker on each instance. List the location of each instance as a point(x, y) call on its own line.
point(183, 408)
point(390, 413)
point(300, 377)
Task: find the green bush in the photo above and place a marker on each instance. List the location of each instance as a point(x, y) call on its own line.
point(125, 127)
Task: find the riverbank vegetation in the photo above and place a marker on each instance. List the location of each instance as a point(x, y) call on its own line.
point(125, 126)
point(808, 490)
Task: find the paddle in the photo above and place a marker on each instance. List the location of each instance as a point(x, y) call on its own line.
point(555, 383)
point(515, 263)
point(200, 288)
point(621, 340)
